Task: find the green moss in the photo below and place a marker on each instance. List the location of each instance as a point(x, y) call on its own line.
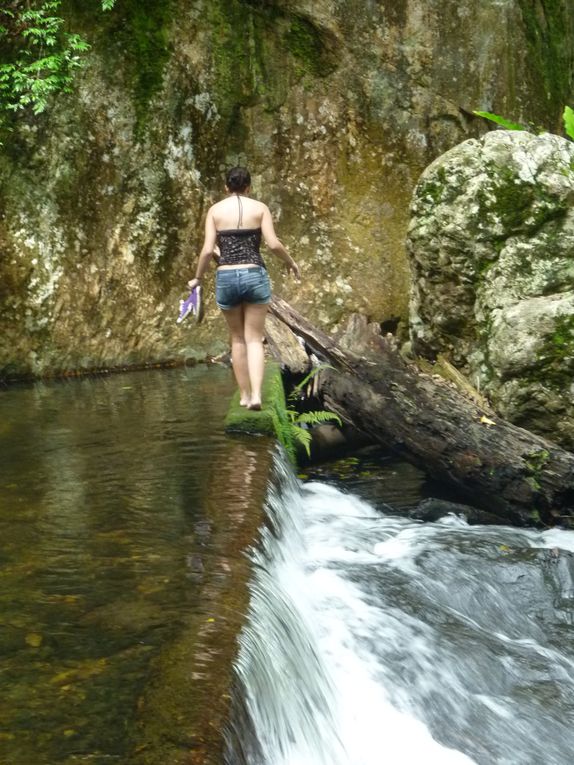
point(134, 39)
point(536, 460)
point(555, 376)
point(148, 25)
point(242, 420)
point(258, 50)
point(142, 29)
point(562, 339)
point(231, 50)
point(533, 483)
point(535, 516)
point(517, 205)
point(437, 187)
point(555, 362)
point(310, 47)
point(510, 201)
point(511, 204)
point(483, 266)
point(549, 31)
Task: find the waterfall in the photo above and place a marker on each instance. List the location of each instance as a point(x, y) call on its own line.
point(374, 639)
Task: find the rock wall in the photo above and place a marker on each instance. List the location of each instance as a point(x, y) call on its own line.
point(335, 105)
point(492, 248)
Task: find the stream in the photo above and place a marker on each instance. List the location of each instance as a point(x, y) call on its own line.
point(124, 516)
point(373, 638)
point(138, 543)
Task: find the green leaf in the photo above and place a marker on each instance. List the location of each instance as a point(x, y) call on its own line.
point(39, 55)
point(77, 43)
point(568, 118)
point(313, 418)
point(51, 63)
point(500, 121)
point(303, 437)
point(294, 395)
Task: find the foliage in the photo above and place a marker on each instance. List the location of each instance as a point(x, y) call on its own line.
point(293, 428)
point(500, 121)
point(567, 117)
point(39, 56)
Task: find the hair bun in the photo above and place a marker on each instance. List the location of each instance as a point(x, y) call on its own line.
point(238, 179)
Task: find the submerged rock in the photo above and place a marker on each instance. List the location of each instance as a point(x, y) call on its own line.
point(491, 243)
point(433, 508)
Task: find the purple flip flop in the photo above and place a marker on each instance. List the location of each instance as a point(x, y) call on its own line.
point(191, 305)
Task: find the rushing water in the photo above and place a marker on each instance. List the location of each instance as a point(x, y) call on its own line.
point(370, 638)
point(124, 511)
point(373, 638)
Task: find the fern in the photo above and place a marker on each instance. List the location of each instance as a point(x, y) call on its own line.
point(290, 426)
point(40, 56)
point(281, 422)
point(296, 392)
point(500, 121)
point(309, 418)
point(568, 118)
point(313, 418)
point(304, 438)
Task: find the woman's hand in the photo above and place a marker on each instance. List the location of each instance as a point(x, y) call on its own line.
point(192, 283)
point(293, 268)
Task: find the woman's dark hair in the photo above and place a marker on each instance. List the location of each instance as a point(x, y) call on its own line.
point(237, 179)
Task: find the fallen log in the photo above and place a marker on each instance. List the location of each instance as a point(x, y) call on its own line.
point(285, 348)
point(506, 470)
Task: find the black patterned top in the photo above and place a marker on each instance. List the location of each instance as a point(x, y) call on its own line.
point(239, 246)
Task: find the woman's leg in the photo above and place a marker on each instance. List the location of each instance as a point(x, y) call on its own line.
point(253, 328)
point(235, 319)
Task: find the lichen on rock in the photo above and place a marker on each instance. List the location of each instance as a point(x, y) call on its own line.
point(492, 250)
point(335, 107)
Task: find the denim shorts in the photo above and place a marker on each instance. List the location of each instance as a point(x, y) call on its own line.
point(234, 286)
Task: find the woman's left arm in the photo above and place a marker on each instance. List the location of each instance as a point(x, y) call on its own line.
point(206, 251)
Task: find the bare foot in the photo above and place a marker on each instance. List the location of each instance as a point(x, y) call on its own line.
point(244, 401)
point(255, 406)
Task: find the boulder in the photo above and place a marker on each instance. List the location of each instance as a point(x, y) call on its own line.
point(491, 244)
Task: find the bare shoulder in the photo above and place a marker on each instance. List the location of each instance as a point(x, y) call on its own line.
point(216, 207)
point(258, 209)
point(219, 212)
point(263, 208)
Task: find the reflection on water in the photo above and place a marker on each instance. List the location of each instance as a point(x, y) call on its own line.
point(124, 511)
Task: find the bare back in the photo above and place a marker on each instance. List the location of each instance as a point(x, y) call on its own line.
point(238, 211)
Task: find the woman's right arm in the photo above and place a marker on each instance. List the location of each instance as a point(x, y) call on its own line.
point(274, 244)
point(207, 251)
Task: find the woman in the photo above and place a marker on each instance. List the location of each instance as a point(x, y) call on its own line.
point(242, 288)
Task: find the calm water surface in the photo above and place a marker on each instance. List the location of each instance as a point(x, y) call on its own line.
point(124, 514)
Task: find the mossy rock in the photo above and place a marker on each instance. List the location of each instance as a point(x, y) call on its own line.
point(242, 420)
